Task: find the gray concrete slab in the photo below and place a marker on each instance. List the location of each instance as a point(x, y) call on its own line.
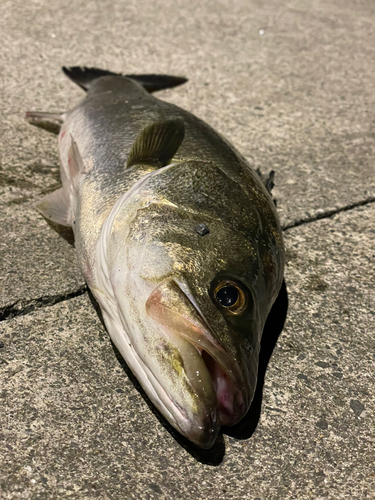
point(37, 265)
point(74, 426)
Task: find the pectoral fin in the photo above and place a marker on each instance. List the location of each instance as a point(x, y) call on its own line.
point(56, 207)
point(48, 121)
point(157, 144)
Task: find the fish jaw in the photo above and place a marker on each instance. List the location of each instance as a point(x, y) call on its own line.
point(194, 418)
point(181, 319)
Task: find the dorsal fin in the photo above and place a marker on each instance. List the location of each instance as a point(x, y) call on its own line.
point(267, 180)
point(157, 144)
point(85, 76)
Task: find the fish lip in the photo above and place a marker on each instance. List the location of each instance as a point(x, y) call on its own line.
point(203, 435)
point(226, 362)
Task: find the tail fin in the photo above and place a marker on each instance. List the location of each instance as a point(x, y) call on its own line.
point(85, 76)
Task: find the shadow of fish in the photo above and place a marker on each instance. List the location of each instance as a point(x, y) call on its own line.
point(178, 240)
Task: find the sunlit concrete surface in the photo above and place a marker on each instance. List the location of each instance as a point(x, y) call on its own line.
point(291, 85)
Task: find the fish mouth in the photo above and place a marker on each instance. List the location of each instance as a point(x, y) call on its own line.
point(213, 373)
point(228, 382)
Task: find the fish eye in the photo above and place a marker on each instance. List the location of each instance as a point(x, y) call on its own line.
point(227, 296)
point(230, 296)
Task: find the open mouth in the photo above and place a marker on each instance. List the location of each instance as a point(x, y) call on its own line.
point(230, 402)
point(213, 373)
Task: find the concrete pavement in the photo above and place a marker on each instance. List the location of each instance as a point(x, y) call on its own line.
point(292, 86)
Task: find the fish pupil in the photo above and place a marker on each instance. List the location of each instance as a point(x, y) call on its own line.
point(227, 296)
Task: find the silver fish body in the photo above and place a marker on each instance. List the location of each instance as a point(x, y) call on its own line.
point(179, 242)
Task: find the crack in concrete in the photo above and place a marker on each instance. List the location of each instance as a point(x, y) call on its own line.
point(328, 213)
point(20, 308)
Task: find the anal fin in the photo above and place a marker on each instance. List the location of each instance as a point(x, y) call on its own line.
point(75, 162)
point(56, 207)
point(48, 121)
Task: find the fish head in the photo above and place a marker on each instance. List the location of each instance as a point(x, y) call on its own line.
point(194, 271)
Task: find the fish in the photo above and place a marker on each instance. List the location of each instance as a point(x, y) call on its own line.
point(178, 240)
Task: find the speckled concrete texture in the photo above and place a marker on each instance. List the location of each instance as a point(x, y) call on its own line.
point(291, 84)
point(37, 265)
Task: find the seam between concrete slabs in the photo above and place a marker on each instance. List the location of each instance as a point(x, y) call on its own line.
point(326, 214)
point(11, 311)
